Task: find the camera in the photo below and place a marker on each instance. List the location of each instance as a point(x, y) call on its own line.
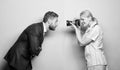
point(76, 22)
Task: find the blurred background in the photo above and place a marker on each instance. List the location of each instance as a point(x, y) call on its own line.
point(60, 48)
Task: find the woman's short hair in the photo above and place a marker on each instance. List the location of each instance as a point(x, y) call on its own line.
point(48, 15)
point(89, 14)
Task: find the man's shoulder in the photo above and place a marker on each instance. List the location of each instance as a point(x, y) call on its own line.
point(35, 24)
point(35, 28)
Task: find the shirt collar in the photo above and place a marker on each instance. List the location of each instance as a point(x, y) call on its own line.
point(44, 26)
point(92, 25)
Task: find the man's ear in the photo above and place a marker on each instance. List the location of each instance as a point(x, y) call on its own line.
point(48, 22)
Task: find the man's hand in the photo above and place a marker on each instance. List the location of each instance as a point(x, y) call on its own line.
point(32, 56)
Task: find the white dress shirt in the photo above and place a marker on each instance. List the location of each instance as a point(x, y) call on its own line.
point(44, 28)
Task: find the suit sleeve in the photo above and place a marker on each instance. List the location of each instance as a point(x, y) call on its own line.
point(35, 41)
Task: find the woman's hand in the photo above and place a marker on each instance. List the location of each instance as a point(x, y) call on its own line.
point(77, 28)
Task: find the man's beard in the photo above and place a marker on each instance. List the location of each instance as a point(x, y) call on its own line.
point(51, 27)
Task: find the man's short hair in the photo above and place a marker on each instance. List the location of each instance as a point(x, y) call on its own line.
point(49, 14)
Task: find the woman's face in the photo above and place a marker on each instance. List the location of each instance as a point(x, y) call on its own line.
point(85, 21)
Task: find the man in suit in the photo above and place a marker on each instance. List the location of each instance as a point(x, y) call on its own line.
point(29, 43)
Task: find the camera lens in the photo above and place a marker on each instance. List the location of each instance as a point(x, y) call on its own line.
point(68, 23)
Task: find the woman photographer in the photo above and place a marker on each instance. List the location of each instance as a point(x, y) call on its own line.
point(91, 40)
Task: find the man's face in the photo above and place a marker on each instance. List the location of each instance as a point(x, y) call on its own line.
point(53, 23)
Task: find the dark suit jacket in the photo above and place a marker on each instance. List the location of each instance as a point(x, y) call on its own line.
point(27, 45)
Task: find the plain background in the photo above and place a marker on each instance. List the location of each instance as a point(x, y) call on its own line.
point(60, 49)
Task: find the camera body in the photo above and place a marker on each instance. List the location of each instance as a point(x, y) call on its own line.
point(76, 22)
